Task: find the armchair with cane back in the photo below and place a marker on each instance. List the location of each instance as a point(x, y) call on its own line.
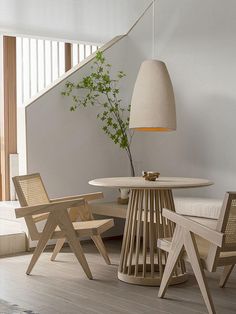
point(203, 246)
point(60, 217)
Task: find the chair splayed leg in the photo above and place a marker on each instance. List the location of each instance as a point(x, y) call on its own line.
point(225, 276)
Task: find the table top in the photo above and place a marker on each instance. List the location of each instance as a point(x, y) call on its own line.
point(160, 183)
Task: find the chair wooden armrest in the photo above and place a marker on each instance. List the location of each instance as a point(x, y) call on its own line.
point(210, 235)
point(48, 207)
point(87, 197)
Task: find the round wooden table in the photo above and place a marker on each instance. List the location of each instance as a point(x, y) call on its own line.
point(141, 262)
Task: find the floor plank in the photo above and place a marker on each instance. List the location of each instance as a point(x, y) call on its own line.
point(62, 287)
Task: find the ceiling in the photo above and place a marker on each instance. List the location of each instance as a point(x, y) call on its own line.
point(74, 20)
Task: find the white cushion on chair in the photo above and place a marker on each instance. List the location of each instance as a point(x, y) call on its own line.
point(198, 207)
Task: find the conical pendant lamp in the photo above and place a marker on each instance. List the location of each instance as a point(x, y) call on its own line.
point(153, 102)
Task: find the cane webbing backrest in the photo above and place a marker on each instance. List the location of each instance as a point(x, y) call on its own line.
point(84, 213)
point(229, 223)
point(30, 190)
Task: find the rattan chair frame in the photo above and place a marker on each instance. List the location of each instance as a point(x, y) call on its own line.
point(60, 216)
point(222, 249)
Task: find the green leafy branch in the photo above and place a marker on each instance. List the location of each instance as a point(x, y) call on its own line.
point(100, 88)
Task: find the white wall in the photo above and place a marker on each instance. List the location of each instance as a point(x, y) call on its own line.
point(196, 39)
point(69, 149)
point(198, 45)
point(78, 20)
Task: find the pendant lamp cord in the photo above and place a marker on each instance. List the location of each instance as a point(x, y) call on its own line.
point(153, 29)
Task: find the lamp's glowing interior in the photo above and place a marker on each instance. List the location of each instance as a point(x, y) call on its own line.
point(153, 129)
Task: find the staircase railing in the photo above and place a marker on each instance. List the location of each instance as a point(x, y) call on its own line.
point(40, 62)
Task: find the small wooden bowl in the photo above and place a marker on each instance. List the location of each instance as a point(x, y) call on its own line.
point(150, 175)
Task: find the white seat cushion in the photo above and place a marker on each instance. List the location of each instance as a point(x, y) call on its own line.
point(198, 207)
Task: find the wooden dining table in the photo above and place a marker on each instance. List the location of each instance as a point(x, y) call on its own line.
point(141, 262)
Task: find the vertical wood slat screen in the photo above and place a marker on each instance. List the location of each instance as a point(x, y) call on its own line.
point(40, 62)
point(81, 52)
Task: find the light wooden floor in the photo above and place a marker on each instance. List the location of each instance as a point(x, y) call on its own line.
point(61, 287)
